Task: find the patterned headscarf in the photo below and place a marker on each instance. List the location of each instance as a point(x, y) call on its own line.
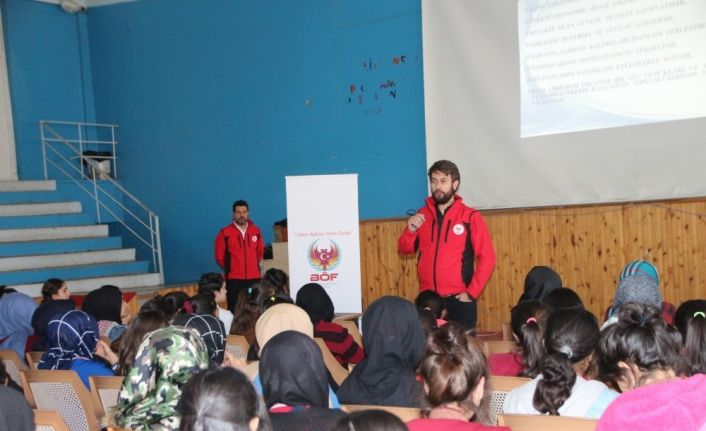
point(69, 336)
point(16, 311)
point(636, 288)
point(164, 362)
point(212, 333)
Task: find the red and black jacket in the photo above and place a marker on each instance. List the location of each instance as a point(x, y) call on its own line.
point(448, 247)
point(240, 255)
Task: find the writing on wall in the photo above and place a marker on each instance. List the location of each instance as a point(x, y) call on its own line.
point(377, 84)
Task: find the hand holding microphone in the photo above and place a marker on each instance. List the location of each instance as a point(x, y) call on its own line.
point(415, 221)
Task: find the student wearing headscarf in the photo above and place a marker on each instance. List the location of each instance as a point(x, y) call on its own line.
point(107, 306)
point(540, 280)
point(165, 361)
point(296, 395)
point(72, 339)
point(394, 345)
point(56, 301)
point(644, 289)
point(203, 319)
point(318, 305)
point(16, 310)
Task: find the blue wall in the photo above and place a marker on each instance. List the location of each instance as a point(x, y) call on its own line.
point(49, 71)
point(221, 99)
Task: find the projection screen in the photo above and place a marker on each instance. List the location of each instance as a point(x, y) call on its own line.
point(609, 96)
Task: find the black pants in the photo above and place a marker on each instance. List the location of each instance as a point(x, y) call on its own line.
point(465, 313)
point(233, 287)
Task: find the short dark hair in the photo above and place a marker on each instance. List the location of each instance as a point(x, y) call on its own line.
point(240, 203)
point(446, 167)
point(210, 283)
point(561, 298)
point(431, 301)
point(51, 287)
point(218, 397)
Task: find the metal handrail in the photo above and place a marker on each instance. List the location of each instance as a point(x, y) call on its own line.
point(71, 169)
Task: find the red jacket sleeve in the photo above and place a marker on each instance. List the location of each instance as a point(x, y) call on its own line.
point(260, 247)
point(405, 244)
point(220, 250)
point(484, 255)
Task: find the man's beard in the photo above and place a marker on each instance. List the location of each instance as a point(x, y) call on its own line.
point(241, 221)
point(441, 198)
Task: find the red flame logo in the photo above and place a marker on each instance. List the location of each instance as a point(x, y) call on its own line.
point(324, 258)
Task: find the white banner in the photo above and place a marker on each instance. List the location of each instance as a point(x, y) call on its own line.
point(324, 243)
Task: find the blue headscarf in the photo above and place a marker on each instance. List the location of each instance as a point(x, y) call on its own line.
point(16, 311)
point(70, 336)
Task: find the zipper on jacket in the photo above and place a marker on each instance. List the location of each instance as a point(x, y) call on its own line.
point(436, 249)
point(244, 243)
point(446, 235)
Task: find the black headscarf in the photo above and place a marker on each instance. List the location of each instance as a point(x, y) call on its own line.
point(394, 345)
point(292, 371)
point(539, 282)
point(104, 303)
point(212, 331)
point(315, 301)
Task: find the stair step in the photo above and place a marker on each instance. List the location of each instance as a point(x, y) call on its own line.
point(11, 222)
point(27, 186)
point(59, 245)
point(84, 285)
point(30, 197)
point(78, 271)
point(20, 263)
point(39, 208)
point(60, 232)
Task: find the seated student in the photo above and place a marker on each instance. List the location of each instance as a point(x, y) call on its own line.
point(570, 340)
point(672, 405)
point(154, 314)
point(278, 280)
point(690, 320)
point(296, 396)
point(562, 298)
point(72, 344)
point(214, 284)
point(56, 300)
point(250, 305)
point(221, 399)
point(638, 349)
point(540, 280)
point(370, 420)
point(313, 299)
point(107, 306)
point(432, 301)
point(527, 320)
point(203, 319)
point(455, 374)
point(394, 345)
point(15, 413)
point(277, 319)
point(165, 361)
point(639, 289)
point(180, 302)
point(16, 311)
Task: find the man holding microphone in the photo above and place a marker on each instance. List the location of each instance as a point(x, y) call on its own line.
point(456, 255)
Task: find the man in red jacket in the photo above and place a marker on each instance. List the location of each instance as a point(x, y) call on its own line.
point(239, 251)
point(456, 255)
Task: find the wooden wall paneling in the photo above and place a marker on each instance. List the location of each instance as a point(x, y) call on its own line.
point(590, 252)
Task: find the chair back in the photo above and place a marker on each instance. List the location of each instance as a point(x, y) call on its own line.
point(352, 329)
point(13, 364)
point(338, 373)
point(238, 345)
point(507, 332)
point(104, 393)
point(61, 391)
point(492, 347)
point(33, 359)
point(500, 386)
point(546, 423)
point(49, 420)
point(406, 414)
